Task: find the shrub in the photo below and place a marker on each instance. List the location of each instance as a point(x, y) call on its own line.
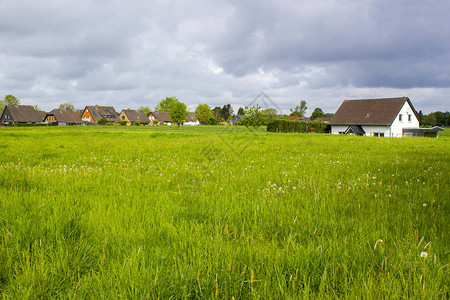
point(138, 123)
point(122, 123)
point(102, 121)
point(155, 122)
point(285, 125)
point(318, 127)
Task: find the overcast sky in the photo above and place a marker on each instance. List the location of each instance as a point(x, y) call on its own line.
point(134, 53)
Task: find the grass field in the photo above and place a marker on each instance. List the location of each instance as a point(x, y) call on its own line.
point(205, 212)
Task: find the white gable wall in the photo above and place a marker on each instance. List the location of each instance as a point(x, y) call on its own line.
point(397, 126)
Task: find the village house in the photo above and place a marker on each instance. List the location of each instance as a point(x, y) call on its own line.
point(191, 120)
point(20, 114)
point(162, 117)
point(63, 117)
point(92, 114)
point(132, 116)
point(387, 117)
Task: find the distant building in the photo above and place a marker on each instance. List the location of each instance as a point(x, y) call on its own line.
point(162, 117)
point(387, 117)
point(62, 117)
point(191, 119)
point(91, 114)
point(133, 115)
point(20, 114)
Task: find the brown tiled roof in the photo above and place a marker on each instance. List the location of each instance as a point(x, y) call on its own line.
point(161, 116)
point(20, 114)
point(292, 118)
point(134, 115)
point(66, 115)
point(369, 111)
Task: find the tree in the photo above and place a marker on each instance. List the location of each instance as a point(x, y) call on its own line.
point(67, 106)
point(166, 104)
point(241, 111)
point(269, 114)
point(102, 121)
point(178, 112)
point(146, 109)
point(253, 117)
point(317, 113)
point(203, 113)
point(299, 110)
point(9, 100)
point(36, 108)
point(216, 113)
point(226, 112)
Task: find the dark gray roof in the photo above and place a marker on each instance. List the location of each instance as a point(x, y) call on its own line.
point(65, 115)
point(134, 115)
point(370, 111)
point(20, 114)
point(107, 112)
point(161, 116)
point(41, 114)
point(191, 117)
point(355, 129)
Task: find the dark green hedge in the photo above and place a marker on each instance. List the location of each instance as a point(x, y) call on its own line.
point(284, 125)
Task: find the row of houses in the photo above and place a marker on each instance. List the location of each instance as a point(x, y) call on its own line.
point(13, 114)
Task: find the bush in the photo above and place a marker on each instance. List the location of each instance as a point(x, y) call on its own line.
point(155, 122)
point(102, 121)
point(122, 123)
point(285, 125)
point(29, 124)
point(138, 123)
point(319, 127)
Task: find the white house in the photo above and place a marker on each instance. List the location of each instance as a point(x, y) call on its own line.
point(387, 117)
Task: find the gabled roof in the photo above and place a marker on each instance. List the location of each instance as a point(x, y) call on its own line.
point(20, 114)
point(191, 117)
point(66, 116)
point(161, 116)
point(370, 111)
point(41, 114)
point(107, 112)
point(134, 115)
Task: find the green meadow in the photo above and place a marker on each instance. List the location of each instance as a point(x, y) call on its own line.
point(221, 212)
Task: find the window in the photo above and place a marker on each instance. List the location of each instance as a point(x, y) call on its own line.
point(123, 117)
point(409, 118)
point(378, 134)
point(400, 117)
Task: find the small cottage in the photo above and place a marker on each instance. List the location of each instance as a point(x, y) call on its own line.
point(20, 114)
point(132, 116)
point(92, 114)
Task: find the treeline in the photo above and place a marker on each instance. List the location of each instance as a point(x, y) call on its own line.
point(437, 118)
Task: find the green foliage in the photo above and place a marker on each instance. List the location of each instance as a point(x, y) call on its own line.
point(67, 106)
point(178, 113)
point(319, 127)
point(436, 118)
point(299, 110)
point(285, 125)
point(146, 109)
point(226, 112)
point(122, 123)
point(138, 123)
point(102, 121)
point(166, 104)
point(269, 114)
point(203, 113)
point(9, 100)
point(241, 111)
point(141, 213)
point(155, 122)
point(253, 117)
point(317, 113)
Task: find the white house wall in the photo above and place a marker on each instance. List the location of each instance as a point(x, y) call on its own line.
point(397, 126)
point(336, 129)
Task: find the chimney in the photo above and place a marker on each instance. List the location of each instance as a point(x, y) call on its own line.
point(96, 106)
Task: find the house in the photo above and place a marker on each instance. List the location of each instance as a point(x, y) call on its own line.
point(237, 119)
point(91, 114)
point(322, 119)
point(62, 117)
point(132, 116)
point(20, 114)
point(387, 117)
point(162, 117)
point(41, 114)
point(191, 120)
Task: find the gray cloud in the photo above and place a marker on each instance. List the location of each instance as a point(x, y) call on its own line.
point(136, 53)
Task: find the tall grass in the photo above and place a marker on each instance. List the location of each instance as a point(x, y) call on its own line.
point(221, 212)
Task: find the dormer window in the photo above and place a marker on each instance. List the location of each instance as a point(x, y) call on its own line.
point(400, 117)
point(368, 114)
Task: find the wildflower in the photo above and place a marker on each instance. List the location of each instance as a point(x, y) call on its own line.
point(424, 254)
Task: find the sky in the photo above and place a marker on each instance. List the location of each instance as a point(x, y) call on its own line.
point(134, 53)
